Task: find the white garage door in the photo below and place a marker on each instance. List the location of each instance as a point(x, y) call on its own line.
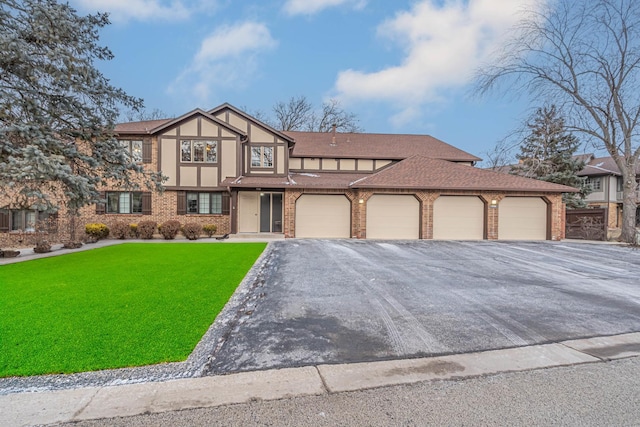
point(393, 217)
point(458, 218)
point(323, 216)
point(522, 218)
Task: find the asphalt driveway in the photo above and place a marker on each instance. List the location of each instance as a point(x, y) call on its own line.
point(350, 301)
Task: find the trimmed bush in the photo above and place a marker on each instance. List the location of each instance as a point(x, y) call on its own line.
point(169, 229)
point(133, 230)
point(209, 229)
point(72, 245)
point(146, 229)
point(96, 230)
point(120, 230)
point(192, 230)
point(42, 247)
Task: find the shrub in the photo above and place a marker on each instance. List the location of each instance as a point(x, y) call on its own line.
point(120, 230)
point(192, 230)
point(42, 247)
point(169, 229)
point(209, 229)
point(146, 229)
point(96, 230)
point(133, 230)
point(72, 245)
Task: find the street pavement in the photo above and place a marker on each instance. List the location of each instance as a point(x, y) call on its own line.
point(601, 394)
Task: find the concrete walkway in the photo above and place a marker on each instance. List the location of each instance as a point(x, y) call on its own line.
point(37, 408)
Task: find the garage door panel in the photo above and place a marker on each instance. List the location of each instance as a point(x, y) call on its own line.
point(393, 217)
point(458, 218)
point(323, 216)
point(522, 218)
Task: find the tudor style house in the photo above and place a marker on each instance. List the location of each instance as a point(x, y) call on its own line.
point(227, 168)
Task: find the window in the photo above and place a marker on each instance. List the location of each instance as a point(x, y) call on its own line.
point(199, 151)
point(204, 203)
point(595, 183)
point(124, 202)
point(262, 157)
point(133, 148)
point(620, 184)
point(24, 220)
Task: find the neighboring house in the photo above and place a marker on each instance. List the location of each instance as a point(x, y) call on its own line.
point(604, 177)
point(227, 168)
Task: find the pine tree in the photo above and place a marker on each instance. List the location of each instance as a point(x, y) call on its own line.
point(547, 154)
point(57, 111)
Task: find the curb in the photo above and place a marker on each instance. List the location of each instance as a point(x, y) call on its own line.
point(90, 403)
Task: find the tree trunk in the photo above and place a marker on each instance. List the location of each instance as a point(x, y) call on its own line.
point(630, 203)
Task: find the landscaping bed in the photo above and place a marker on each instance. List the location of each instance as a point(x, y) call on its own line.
point(119, 306)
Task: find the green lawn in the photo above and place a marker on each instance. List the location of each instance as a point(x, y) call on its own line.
point(126, 305)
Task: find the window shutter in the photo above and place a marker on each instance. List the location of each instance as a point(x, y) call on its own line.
point(100, 207)
point(146, 151)
point(4, 220)
point(226, 202)
point(146, 203)
point(182, 203)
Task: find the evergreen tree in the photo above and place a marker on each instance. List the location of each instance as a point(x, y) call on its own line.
point(547, 154)
point(57, 111)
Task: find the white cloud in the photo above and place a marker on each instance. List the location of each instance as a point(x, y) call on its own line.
point(443, 42)
point(142, 10)
point(310, 7)
point(227, 57)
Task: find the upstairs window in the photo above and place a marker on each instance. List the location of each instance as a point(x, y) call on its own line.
point(595, 183)
point(133, 148)
point(198, 151)
point(262, 157)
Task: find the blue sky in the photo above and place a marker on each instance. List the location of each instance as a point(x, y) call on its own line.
point(401, 66)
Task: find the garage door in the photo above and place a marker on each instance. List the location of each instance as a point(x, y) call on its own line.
point(323, 216)
point(522, 218)
point(458, 218)
point(393, 217)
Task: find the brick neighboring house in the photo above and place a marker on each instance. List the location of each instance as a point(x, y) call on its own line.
point(605, 179)
point(228, 168)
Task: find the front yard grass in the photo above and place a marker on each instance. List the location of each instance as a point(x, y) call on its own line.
point(125, 305)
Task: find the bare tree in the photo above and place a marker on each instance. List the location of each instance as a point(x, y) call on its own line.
point(584, 56)
point(144, 115)
point(299, 114)
point(332, 114)
point(293, 114)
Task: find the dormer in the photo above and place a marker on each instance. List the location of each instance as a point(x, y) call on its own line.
point(265, 150)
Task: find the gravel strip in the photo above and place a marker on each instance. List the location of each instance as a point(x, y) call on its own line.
point(241, 303)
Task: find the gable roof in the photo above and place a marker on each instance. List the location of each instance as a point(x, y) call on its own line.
point(227, 106)
point(149, 127)
point(374, 145)
point(421, 172)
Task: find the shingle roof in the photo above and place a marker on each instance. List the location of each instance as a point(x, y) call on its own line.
point(421, 172)
point(603, 166)
point(416, 172)
point(296, 180)
point(142, 127)
point(374, 146)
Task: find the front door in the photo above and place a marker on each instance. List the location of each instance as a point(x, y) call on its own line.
point(259, 212)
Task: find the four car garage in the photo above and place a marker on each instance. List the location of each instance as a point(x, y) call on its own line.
point(394, 216)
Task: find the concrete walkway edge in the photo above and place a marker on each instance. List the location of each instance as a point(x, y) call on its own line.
point(37, 408)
